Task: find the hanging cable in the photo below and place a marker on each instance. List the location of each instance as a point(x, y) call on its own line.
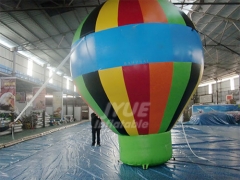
point(190, 147)
point(45, 83)
point(12, 130)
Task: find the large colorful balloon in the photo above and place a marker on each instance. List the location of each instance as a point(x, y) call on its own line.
point(136, 64)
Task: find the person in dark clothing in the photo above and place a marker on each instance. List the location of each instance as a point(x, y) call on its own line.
point(96, 127)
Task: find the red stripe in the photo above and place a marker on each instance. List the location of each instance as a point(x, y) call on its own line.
point(129, 12)
point(137, 84)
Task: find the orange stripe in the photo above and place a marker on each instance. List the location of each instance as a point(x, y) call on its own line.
point(160, 85)
point(152, 11)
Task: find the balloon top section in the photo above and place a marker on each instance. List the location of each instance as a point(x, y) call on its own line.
point(115, 13)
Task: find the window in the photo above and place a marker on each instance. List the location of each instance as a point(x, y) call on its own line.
point(210, 89)
point(67, 83)
point(232, 84)
point(30, 65)
point(50, 75)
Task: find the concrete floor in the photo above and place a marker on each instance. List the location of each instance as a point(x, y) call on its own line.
point(68, 154)
point(26, 134)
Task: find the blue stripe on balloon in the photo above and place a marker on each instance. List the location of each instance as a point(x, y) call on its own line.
point(136, 44)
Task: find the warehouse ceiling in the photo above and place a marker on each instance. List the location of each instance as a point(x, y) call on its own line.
point(45, 28)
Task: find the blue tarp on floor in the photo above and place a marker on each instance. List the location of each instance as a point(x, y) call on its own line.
point(212, 118)
point(68, 154)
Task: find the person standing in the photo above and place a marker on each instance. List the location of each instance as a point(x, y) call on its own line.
point(96, 127)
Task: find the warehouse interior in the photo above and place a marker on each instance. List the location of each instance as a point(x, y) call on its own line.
point(36, 38)
point(42, 32)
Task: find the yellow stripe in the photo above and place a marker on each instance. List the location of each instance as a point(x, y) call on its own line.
point(113, 83)
point(108, 16)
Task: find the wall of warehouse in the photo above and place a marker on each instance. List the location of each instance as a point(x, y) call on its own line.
point(21, 66)
point(217, 90)
point(41, 73)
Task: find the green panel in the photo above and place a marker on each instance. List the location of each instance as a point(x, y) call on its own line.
point(79, 82)
point(181, 75)
point(171, 12)
point(78, 31)
point(145, 150)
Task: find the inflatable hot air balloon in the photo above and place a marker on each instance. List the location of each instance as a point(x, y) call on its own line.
point(136, 63)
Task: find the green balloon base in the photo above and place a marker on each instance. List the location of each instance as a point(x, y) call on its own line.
point(145, 150)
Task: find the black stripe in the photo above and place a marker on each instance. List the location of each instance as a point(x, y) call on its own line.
point(195, 71)
point(187, 20)
point(94, 86)
point(90, 23)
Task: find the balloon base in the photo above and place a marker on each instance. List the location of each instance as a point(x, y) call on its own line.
point(145, 150)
